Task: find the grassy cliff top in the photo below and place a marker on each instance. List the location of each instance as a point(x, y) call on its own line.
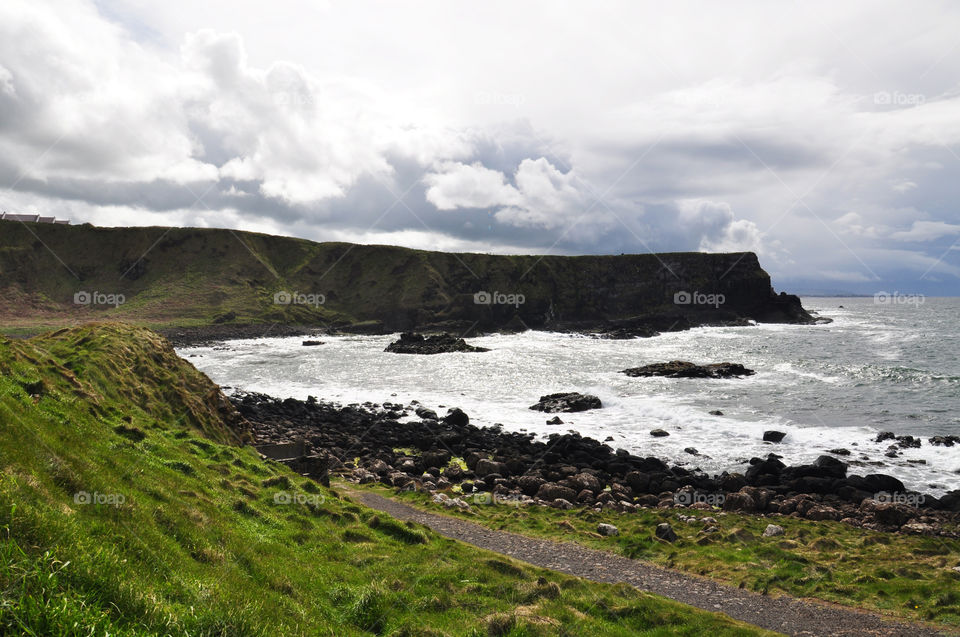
point(128, 508)
point(54, 275)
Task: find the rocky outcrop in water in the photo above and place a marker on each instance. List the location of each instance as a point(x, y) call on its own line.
point(685, 369)
point(566, 402)
point(410, 343)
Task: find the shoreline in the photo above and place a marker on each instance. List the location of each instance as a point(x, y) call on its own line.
point(445, 454)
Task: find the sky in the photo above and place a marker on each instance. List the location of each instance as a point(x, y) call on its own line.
point(823, 136)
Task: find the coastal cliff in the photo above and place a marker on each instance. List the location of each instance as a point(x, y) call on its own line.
point(53, 275)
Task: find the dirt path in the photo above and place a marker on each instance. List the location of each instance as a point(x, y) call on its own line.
point(782, 614)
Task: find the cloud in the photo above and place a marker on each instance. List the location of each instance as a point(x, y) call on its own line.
point(553, 132)
point(543, 197)
point(927, 231)
point(458, 185)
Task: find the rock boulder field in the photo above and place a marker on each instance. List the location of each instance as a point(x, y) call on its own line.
point(381, 443)
point(685, 369)
point(411, 343)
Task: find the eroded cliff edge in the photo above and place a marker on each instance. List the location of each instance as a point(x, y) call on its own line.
point(52, 274)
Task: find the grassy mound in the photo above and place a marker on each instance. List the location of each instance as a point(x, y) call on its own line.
point(127, 507)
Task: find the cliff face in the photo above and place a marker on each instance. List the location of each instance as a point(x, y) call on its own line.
point(193, 276)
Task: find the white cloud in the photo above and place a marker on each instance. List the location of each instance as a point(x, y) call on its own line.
point(927, 231)
point(311, 119)
point(475, 186)
point(544, 197)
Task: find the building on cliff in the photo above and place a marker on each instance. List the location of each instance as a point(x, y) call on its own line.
point(9, 216)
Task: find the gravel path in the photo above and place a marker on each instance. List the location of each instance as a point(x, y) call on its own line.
point(781, 614)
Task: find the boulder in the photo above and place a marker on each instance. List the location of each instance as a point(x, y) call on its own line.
point(686, 369)
point(530, 485)
point(552, 491)
point(665, 532)
point(411, 343)
point(607, 530)
point(486, 467)
point(773, 436)
point(456, 417)
point(893, 514)
point(567, 402)
point(586, 481)
point(438, 459)
point(772, 530)
point(426, 414)
point(823, 513)
point(740, 502)
point(659, 433)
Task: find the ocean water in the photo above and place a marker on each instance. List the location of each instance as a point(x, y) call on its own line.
point(877, 367)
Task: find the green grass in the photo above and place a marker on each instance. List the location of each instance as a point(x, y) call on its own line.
point(906, 576)
point(128, 508)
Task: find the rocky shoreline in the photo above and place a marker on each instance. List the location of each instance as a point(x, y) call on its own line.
point(413, 448)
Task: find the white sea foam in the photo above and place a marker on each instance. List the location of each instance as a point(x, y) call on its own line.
point(821, 385)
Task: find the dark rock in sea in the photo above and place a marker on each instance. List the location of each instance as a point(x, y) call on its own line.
point(411, 343)
point(773, 436)
point(762, 471)
point(685, 369)
point(692, 451)
point(555, 421)
point(425, 414)
point(716, 412)
point(946, 441)
point(908, 442)
point(839, 452)
point(456, 417)
point(884, 435)
point(567, 402)
point(882, 483)
point(659, 433)
point(312, 343)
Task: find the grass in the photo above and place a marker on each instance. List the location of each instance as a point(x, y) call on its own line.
point(128, 507)
point(909, 577)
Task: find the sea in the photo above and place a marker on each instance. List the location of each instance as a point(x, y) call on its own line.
point(883, 364)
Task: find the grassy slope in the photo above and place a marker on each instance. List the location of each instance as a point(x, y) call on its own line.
point(188, 276)
point(906, 576)
point(199, 544)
